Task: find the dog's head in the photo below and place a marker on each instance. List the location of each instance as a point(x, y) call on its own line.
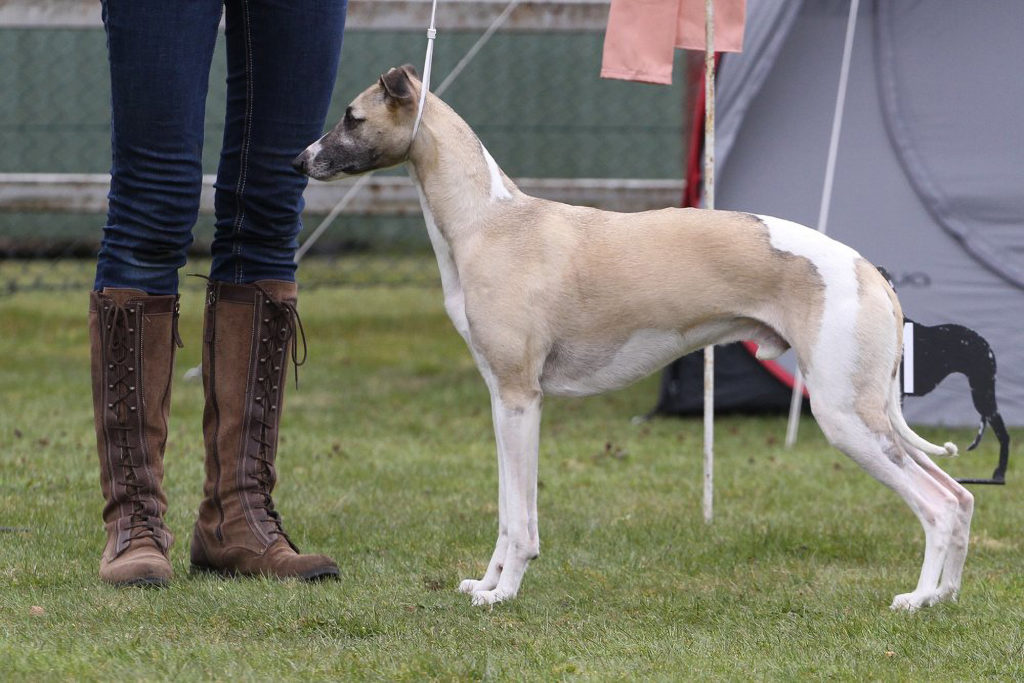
point(376, 131)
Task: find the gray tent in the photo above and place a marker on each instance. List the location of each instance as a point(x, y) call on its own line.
point(930, 174)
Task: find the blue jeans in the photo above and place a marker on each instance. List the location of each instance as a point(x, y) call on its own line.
point(282, 61)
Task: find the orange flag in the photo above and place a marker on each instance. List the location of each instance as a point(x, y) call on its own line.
point(642, 35)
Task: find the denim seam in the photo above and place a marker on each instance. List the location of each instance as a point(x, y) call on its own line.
point(236, 249)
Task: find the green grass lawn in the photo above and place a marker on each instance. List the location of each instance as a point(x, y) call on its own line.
point(387, 463)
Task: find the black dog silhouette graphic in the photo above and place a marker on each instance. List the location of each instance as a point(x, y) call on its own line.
point(942, 350)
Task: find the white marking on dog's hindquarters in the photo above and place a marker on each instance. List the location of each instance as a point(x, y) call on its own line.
point(834, 354)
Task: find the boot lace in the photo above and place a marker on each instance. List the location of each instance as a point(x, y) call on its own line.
point(281, 326)
point(121, 324)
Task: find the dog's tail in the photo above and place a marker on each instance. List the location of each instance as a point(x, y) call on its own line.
point(907, 434)
point(981, 432)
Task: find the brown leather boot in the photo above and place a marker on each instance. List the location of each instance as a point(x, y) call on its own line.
point(133, 338)
point(250, 331)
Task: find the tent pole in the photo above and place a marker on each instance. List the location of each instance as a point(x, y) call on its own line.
point(709, 203)
point(796, 401)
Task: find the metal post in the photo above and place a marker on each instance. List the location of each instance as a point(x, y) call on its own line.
point(709, 202)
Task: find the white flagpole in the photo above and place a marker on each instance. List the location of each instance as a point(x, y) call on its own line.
point(709, 202)
point(796, 400)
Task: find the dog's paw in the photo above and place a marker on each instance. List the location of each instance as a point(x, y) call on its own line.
point(490, 597)
point(473, 586)
point(911, 602)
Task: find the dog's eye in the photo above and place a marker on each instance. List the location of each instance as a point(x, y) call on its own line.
point(350, 120)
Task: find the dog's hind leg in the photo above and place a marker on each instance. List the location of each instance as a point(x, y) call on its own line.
point(877, 451)
point(953, 568)
point(517, 431)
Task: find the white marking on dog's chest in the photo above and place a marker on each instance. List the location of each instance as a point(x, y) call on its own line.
point(498, 189)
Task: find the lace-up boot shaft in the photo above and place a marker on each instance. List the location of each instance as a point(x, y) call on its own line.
point(133, 338)
point(250, 333)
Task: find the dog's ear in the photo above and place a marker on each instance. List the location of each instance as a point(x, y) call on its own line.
point(411, 70)
point(397, 86)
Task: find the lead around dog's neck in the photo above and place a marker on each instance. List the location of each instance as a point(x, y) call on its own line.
point(459, 178)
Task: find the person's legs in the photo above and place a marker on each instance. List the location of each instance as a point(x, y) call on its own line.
point(159, 55)
point(282, 64)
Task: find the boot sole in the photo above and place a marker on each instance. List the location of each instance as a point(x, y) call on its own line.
point(312, 576)
point(142, 582)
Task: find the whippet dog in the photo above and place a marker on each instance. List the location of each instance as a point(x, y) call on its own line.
point(573, 301)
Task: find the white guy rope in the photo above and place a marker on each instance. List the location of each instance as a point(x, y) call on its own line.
point(331, 215)
point(796, 400)
point(471, 52)
point(709, 203)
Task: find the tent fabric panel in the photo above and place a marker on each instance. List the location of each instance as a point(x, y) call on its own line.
point(949, 77)
point(741, 75)
point(775, 164)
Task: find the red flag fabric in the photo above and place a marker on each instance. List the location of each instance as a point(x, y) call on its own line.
point(642, 35)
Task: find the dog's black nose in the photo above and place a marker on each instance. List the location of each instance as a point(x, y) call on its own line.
point(299, 163)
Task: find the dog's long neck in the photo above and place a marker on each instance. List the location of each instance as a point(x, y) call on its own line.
point(460, 181)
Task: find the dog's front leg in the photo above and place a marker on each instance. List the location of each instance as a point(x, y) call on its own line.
point(493, 573)
point(517, 432)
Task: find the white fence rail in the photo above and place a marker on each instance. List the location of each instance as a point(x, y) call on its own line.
point(383, 195)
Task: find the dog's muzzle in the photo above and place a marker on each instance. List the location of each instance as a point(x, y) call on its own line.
point(301, 162)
